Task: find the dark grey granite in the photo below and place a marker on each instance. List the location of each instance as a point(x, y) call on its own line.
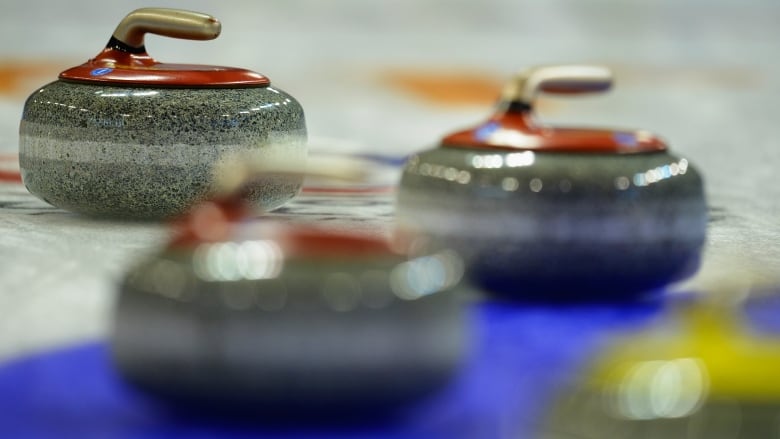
point(551, 223)
point(138, 152)
point(308, 333)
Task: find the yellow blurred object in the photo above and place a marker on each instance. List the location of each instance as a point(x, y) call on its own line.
point(701, 374)
point(708, 341)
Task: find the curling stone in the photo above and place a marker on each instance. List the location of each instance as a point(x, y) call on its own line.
point(545, 212)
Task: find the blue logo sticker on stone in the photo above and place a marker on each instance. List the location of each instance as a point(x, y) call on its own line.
point(101, 71)
point(486, 130)
point(625, 139)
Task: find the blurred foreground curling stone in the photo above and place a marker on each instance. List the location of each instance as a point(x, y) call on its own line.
point(124, 135)
point(267, 317)
point(546, 212)
point(708, 372)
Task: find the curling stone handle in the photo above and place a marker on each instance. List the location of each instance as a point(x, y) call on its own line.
point(563, 79)
point(175, 23)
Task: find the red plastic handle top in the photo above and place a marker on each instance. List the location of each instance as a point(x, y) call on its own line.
point(125, 60)
point(514, 125)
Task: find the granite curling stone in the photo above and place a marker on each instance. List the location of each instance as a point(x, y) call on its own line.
point(268, 318)
point(126, 136)
point(540, 212)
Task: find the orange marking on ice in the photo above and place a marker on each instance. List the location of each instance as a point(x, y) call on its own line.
point(18, 78)
point(446, 88)
point(450, 88)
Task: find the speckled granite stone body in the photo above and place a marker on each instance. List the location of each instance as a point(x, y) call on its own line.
point(141, 152)
point(540, 225)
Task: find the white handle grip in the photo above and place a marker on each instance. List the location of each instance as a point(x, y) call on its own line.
point(176, 23)
point(564, 79)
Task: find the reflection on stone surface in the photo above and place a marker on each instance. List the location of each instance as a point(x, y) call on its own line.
point(230, 261)
point(426, 275)
point(659, 389)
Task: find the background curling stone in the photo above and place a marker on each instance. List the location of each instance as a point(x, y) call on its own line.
point(546, 212)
